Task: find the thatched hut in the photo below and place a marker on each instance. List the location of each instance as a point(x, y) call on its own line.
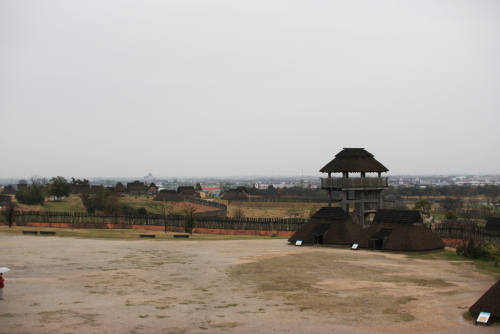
point(152, 189)
point(166, 195)
point(136, 188)
point(120, 188)
point(81, 189)
point(399, 230)
point(9, 190)
point(186, 191)
point(328, 226)
point(488, 302)
point(493, 224)
point(235, 194)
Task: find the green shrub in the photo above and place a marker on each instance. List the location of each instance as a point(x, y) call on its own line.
point(484, 251)
point(31, 195)
point(450, 215)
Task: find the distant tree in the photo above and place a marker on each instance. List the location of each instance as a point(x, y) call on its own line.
point(58, 187)
point(238, 212)
point(492, 194)
point(101, 200)
point(142, 211)
point(9, 211)
point(164, 209)
point(80, 182)
point(450, 215)
point(198, 187)
point(189, 218)
point(451, 204)
point(424, 206)
point(33, 194)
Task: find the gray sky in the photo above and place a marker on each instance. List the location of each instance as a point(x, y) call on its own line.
point(213, 88)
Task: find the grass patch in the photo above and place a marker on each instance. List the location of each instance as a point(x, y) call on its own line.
point(449, 255)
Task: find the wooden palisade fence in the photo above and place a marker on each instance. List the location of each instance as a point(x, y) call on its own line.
point(280, 200)
point(466, 230)
point(97, 220)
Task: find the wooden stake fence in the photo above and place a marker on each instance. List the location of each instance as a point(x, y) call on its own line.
point(84, 220)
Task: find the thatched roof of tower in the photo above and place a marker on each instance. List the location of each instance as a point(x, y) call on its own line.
point(9, 190)
point(354, 160)
point(493, 223)
point(488, 302)
point(166, 195)
point(334, 223)
point(401, 230)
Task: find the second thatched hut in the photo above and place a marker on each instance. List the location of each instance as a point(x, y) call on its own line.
point(399, 230)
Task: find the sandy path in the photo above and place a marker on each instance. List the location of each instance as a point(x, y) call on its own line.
point(63, 285)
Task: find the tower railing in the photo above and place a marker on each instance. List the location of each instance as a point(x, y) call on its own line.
point(354, 182)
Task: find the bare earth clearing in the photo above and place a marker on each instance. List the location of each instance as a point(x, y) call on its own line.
point(65, 285)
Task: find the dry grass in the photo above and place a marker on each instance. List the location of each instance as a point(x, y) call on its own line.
point(274, 210)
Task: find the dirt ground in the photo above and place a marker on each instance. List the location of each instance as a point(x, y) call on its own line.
point(65, 285)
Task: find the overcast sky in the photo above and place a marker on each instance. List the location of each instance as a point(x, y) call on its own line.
point(216, 88)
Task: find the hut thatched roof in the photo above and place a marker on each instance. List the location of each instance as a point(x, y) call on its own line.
point(166, 195)
point(406, 217)
point(400, 230)
point(333, 223)
point(493, 223)
point(81, 189)
point(489, 302)
point(120, 188)
point(9, 190)
point(232, 194)
point(136, 187)
point(186, 190)
point(152, 189)
point(354, 160)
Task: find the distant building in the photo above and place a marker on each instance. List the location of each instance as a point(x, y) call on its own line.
point(120, 188)
point(22, 184)
point(211, 191)
point(9, 190)
point(136, 188)
point(166, 195)
point(186, 191)
point(152, 189)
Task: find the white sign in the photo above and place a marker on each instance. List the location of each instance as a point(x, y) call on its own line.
point(298, 243)
point(483, 317)
point(354, 246)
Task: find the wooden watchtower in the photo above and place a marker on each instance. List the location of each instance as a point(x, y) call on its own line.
point(365, 193)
